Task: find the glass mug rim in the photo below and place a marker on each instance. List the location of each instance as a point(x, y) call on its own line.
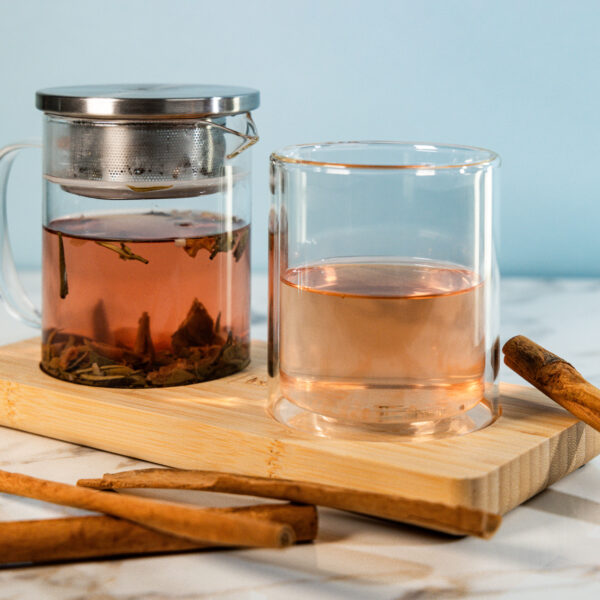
point(481, 156)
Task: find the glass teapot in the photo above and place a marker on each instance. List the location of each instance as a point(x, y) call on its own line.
point(146, 233)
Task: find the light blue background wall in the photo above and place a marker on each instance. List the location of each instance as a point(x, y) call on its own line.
point(519, 76)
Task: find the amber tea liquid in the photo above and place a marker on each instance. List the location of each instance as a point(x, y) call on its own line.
point(382, 342)
point(152, 299)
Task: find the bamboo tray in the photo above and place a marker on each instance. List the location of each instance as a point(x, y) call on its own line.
point(222, 425)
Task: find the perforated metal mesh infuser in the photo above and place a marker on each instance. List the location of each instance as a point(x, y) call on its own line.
point(145, 141)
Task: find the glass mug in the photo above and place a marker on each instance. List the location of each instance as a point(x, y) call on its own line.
point(383, 289)
point(146, 234)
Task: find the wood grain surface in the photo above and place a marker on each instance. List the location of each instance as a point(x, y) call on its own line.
point(223, 426)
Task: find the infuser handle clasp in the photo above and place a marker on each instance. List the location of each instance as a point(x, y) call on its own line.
point(250, 136)
point(12, 293)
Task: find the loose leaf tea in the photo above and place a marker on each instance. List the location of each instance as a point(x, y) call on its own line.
point(123, 251)
point(219, 243)
point(143, 339)
point(101, 330)
point(62, 268)
point(197, 329)
point(81, 360)
point(242, 242)
point(154, 318)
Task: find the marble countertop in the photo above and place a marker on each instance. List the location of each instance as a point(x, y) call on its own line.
point(547, 548)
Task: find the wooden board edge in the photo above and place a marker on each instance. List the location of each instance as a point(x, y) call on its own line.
point(287, 458)
point(509, 485)
point(265, 457)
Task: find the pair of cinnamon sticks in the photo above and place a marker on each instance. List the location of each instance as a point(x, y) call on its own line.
point(149, 526)
point(153, 526)
point(77, 538)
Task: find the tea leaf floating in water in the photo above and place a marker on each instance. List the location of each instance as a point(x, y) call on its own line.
point(238, 251)
point(192, 246)
point(100, 328)
point(223, 242)
point(62, 267)
point(197, 329)
point(124, 252)
point(143, 341)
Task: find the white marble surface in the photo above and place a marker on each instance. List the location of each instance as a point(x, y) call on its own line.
point(547, 548)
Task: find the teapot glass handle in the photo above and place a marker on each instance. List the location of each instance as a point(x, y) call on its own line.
point(12, 293)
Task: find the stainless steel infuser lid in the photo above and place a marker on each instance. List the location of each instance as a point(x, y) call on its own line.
point(147, 100)
point(146, 141)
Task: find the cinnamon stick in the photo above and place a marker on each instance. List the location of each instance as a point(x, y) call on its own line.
point(555, 377)
point(196, 524)
point(457, 520)
point(76, 538)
